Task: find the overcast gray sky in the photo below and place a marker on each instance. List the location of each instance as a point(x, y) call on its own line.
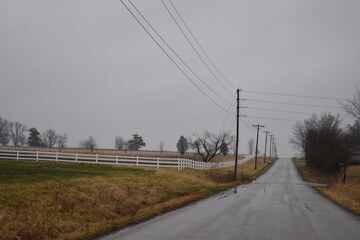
point(87, 68)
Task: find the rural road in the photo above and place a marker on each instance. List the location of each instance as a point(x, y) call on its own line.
point(232, 163)
point(278, 205)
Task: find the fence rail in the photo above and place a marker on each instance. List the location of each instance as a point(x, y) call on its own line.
point(180, 163)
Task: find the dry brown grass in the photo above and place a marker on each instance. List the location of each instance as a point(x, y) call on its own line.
point(346, 195)
point(228, 158)
point(79, 206)
point(246, 172)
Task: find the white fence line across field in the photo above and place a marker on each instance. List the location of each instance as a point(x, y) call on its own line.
point(180, 163)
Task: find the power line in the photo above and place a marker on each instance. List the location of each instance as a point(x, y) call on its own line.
point(193, 47)
point(232, 123)
point(275, 110)
point(277, 119)
point(293, 95)
point(244, 118)
point(285, 111)
point(164, 51)
point(246, 124)
point(250, 112)
point(295, 104)
point(190, 69)
point(228, 115)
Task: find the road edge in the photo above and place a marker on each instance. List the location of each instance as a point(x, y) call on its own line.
point(317, 189)
point(188, 204)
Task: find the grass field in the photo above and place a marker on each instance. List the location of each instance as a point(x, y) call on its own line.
point(46, 200)
point(346, 195)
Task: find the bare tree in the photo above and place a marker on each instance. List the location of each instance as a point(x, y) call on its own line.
point(161, 146)
point(251, 144)
point(322, 141)
point(120, 143)
point(354, 133)
point(17, 133)
point(182, 145)
point(352, 106)
point(90, 143)
point(4, 132)
point(62, 140)
point(208, 145)
point(49, 137)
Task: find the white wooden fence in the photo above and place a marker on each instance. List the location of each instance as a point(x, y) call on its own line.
point(180, 163)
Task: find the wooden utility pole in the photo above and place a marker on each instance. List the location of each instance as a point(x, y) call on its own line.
point(237, 132)
point(257, 140)
point(270, 145)
point(266, 132)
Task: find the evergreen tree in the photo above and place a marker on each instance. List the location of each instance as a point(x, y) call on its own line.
point(182, 145)
point(34, 138)
point(224, 149)
point(136, 143)
point(4, 132)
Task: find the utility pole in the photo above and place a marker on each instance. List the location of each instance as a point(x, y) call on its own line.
point(274, 148)
point(237, 132)
point(270, 145)
point(266, 132)
point(257, 140)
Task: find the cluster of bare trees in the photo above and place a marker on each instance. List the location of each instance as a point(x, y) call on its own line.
point(135, 143)
point(89, 143)
point(51, 139)
point(324, 144)
point(352, 106)
point(13, 132)
point(207, 145)
point(16, 134)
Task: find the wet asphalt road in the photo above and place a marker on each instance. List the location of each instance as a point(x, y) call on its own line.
point(278, 205)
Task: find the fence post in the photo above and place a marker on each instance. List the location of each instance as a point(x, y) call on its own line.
point(116, 159)
point(137, 161)
point(96, 158)
point(178, 164)
point(158, 162)
point(17, 155)
point(37, 156)
point(76, 157)
point(56, 159)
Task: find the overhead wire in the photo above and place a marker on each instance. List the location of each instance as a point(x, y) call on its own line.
point(249, 111)
point(191, 44)
point(278, 119)
point(202, 49)
point(293, 95)
point(286, 103)
point(276, 110)
point(174, 52)
point(244, 117)
point(248, 125)
point(167, 54)
point(232, 123)
point(229, 114)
